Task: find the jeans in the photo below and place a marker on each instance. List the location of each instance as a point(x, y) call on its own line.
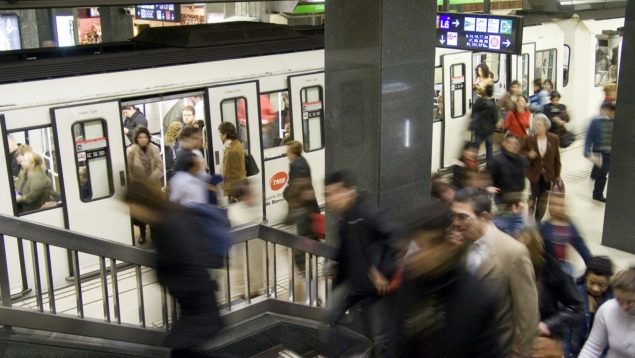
point(600, 174)
point(489, 148)
point(540, 197)
point(377, 315)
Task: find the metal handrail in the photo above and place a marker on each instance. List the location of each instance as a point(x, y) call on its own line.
point(67, 239)
point(109, 252)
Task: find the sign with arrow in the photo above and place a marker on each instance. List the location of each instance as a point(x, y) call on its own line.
point(480, 32)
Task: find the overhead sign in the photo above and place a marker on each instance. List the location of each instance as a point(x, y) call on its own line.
point(480, 32)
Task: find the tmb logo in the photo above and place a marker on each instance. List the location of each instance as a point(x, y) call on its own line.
point(278, 181)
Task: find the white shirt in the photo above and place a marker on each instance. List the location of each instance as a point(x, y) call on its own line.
point(612, 328)
point(542, 146)
point(479, 251)
point(187, 189)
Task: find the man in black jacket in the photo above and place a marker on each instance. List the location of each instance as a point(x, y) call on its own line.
point(133, 118)
point(484, 120)
point(507, 168)
point(366, 262)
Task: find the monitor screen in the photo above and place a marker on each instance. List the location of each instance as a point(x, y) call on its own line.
point(159, 12)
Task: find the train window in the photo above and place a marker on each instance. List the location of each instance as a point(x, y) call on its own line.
point(312, 99)
point(566, 65)
point(606, 62)
point(438, 95)
point(93, 160)
point(33, 165)
point(457, 87)
point(275, 119)
point(546, 65)
point(525, 75)
point(234, 110)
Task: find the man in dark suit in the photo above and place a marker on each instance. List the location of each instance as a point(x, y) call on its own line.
point(502, 264)
point(543, 151)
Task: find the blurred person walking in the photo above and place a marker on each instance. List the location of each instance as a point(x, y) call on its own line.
point(543, 151)
point(484, 121)
point(507, 169)
point(182, 262)
point(597, 148)
point(559, 301)
point(365, 263)
point(299, 193)
point(614, 325)
point(443, 310)
point(504, 265)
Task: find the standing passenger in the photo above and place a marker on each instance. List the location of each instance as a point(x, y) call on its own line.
point(233, 159)
point(503, 264)
point(365, 262)
point(517, 120)
point(539, 98)
point(144, 162)
point(133, 118)
point(507, 168)
point(299, 193)
point(484, 120)
point(33, 186)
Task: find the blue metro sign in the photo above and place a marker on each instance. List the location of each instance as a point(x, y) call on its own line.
point(480, 32)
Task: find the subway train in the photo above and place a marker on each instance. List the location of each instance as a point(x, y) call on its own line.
point(268, 80)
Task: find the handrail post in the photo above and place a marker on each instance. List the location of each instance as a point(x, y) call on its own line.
point(5, 287)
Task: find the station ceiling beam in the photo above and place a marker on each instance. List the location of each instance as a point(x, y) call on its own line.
point(39, 4)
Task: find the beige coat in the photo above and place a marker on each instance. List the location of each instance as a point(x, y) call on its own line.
point(136, 169)
point(233, 166)
point(509, 273)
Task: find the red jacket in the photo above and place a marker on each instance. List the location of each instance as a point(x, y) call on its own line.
point(517, 123)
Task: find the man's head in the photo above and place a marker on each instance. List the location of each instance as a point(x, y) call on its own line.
point(227, 131)
point(189, 114)
point(515, 88)
point(472, 213)
point(555, 98)
point(597, 277)
point(557, 206)
point(537, 85)
point(513, 202)
point(128, 111)
point(341, 191)
point(512, 144)
point(608, 110)
point(191, 138)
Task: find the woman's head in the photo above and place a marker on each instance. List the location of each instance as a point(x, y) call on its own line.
point(531, 238)
point(624, 290)
point(482, 71)
point(19, 153)
point(548, 85)
point(541, 123)
point(32, 161)
point(521, 103)
point(141, 137)
point(172, 133)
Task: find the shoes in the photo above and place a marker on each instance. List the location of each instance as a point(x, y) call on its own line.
point(142, 240)
point(600, 198)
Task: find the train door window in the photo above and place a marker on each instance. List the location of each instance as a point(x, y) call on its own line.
point(606, 61)
point(525, 74)
point(312, 99)
point(457, 86)
point(438, 94)
point(33, 164)
point(234, 110)
point(546, 61)
point(93, 159)
point(566, 65)
point(275, 119)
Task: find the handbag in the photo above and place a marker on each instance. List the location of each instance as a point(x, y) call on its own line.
point(566, 138)
point(250, 165)
point(557, 186)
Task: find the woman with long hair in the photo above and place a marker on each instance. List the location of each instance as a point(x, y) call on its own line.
point(33, 187)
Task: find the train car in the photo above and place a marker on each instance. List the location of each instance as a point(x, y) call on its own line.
point(266, 79)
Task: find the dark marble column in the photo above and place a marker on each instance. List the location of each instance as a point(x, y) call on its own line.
point(620, 203)
point(116, 25)
point(379, 90)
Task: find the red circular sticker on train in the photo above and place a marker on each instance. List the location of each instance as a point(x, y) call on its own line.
point(278, 181)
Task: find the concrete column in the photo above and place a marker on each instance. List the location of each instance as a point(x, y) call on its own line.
point(116, 25)
point(620, 204)
point(379, 89)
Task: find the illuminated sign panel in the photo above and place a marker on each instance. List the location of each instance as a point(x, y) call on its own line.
point(479, 32)
point(160, 12)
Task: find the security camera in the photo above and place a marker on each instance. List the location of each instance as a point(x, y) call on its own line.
point(128, 10)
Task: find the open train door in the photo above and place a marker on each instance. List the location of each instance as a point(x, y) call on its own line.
point(91, 153)
point(526, 65)
point(307, 106)
point(457, 91)
point(236, 103)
